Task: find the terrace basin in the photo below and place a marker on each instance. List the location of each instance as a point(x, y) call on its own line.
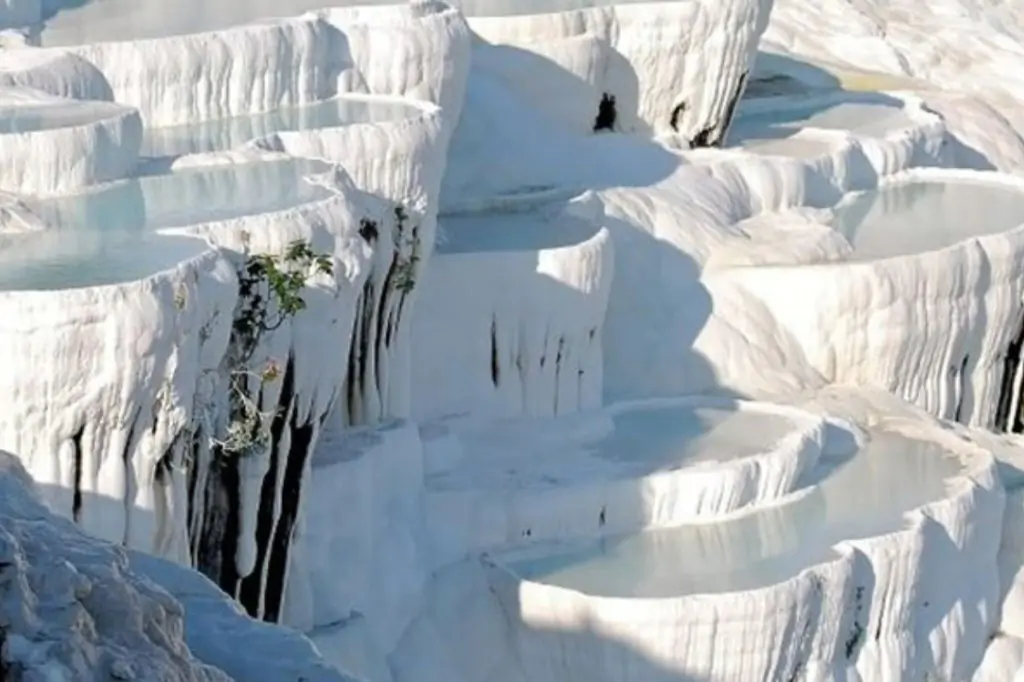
point(766, 122)
point(229, 133)
point(112, 234)
point(860, 497)
point(924, 215)
point(631, 466)
point(816, 578)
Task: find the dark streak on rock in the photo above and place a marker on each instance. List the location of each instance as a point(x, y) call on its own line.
point(252, 585)
point(961, 378)
point(676, 113)
point(303, 437)
point(1003, 420)
point(218, 534)
point(495, 365)
point(76, 464)
point(714, 134)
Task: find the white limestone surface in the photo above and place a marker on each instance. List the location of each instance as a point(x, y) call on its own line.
point(632, 466)
point(60, 74)
point(104, 380)
point(402, 161)
point(76, 608)
point(51, 145)
point(216, 630)
point(258, 67)
point(73, 609)
point(419, 50)
point(714, 212)
point(528, 342)
point(383, 533)
point(958, 288)
point(676, 66)
point(869, 606)
point(310, 348)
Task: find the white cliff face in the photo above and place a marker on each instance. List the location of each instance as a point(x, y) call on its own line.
point(51, 146)
point(656, 67)
point(529, 340)
point(112, 457)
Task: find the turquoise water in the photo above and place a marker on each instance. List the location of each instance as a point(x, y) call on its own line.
point(229, 133)
point(110, 235)
point(867, 115)
point(926, 215)
point(865, 496)
point(513, 231)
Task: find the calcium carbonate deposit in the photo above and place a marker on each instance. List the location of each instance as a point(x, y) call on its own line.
point(511, 341)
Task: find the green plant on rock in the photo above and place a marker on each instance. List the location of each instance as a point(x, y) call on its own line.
point(407, 248)
point(269, 293)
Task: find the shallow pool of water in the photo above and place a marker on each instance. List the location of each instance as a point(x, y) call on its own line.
point(79, 22)
point(683, 436)
point(926, 215)
point(868, 115)
point(528, 230)
point(110, 235)
point(865, 496)
point(633, 442)
point(229, 133)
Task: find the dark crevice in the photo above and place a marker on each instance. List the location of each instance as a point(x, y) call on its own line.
point(961, 379)
point(606, 113)
point(252, 585)
point(406, 289)
point(495, 365)
point(677, 112)
point(730, 111)
point(1004, 421)
point(559, 356)
point(359, 350)
point(368, 231)
point(382, 315)
point(193, 480)
point(302, 438)
point(76, 465)
point(6, 669)
point(218, 535)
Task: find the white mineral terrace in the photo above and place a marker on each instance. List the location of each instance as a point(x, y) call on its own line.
point(640, 465)
point(230, 133)
point(116, 233)
point(50, 144)
point(674, 341)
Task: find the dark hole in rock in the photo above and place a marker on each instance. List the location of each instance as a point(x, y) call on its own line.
point(605, 113)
